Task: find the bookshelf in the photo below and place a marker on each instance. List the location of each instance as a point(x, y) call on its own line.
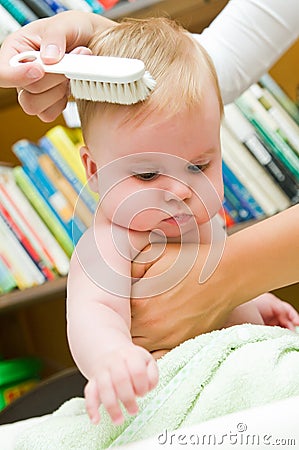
point(33, 321)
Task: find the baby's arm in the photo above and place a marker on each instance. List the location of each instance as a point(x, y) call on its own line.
point(98, 324)
point(276, 312)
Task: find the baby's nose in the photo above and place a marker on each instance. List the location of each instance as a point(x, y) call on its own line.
point(177, 190)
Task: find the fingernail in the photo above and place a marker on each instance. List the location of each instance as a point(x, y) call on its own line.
point(51, 51)
point(34, 73)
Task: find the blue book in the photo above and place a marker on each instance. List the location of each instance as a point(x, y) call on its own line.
point(231, 210)
point(243, 213)
point(28, 153)
point(7, 281)
point(55, 5)
point(47, 146)
point(246, 200)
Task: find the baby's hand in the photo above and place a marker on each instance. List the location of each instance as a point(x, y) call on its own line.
point(126, 373)
point(277, 312)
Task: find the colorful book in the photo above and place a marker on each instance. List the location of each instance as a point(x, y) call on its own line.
point(43, 210)
point(95, 6)
point(80, 210)
point(8, 23)
point(81, 189)
point(242, 213)
point(28, 153)
point(40, 263)
point(56, 6)
point(264, 128)
point(79, 5)
point(286, 102)
point(19, 10)
point(67, 144)
point(33, 227)
point(25, 272)
point(40, 8)
point(251, 174)
point(7, 281)
point(244, 197)
point(287, 126)
point(244, 131)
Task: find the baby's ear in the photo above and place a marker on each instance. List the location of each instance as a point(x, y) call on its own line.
point(91, 168)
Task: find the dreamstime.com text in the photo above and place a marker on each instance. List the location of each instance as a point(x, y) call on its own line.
point(239, 437)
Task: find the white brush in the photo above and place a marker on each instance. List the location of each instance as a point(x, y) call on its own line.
point(98, 78)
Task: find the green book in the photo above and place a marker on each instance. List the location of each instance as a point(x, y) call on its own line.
point(274, 142)
point(286, 102)
point(7, 281)
point(43, 210)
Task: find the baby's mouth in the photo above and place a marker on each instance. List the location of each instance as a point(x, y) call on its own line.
point(178, 219)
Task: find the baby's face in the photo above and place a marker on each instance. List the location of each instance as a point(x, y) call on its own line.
point(164, 174)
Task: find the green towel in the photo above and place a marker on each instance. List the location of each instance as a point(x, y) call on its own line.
point(212, 375)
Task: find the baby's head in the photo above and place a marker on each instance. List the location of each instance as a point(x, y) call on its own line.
point(164, 141)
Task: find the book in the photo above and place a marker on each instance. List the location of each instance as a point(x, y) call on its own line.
point(62, 184)
point(67, 145)
point(227, 217)
point(25, 242)
point(244, 131)
point(48, 147)
point(43, 210)
point(19, 11)
point(244, 197)
point(25, 272)
point(28, 153)
point(40, 8)
point(108, 4)
point(287, 126)
point(8, 23)
point(7, 281)
point(79, 5)
point(37, 232)
point(56, 6)
point(251, 174)
point(286, 102)
point(242, 213)
point(95, 6)
point(251, 108)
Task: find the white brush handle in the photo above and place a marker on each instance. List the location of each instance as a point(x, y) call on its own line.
point(108, 69)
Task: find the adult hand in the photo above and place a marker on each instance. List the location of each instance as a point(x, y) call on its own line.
point(40, 94)
point(188, 309)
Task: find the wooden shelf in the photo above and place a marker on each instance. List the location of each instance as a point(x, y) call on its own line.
point(46, 292)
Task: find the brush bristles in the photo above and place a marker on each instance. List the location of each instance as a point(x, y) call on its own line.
point(121, 93)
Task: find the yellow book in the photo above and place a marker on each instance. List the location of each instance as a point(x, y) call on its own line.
point(68, 143)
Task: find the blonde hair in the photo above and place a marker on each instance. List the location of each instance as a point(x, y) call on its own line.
point(176, 61)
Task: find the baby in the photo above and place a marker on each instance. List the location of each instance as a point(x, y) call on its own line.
point(157, 168)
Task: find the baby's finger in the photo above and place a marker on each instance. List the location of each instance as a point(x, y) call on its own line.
point(92, 401)
point(124, 388)
point(152, 374)
point(109, 397)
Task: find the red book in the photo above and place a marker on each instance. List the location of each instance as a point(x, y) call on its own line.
point(108, 4)
point(48, 274)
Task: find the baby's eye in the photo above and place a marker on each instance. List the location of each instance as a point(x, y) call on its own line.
point(146, 176)
point(197, 168)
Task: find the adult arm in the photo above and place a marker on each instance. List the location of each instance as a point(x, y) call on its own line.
point(246, 39)
point(258, 259)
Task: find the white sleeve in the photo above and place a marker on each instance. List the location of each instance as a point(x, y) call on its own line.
point(246, 38)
